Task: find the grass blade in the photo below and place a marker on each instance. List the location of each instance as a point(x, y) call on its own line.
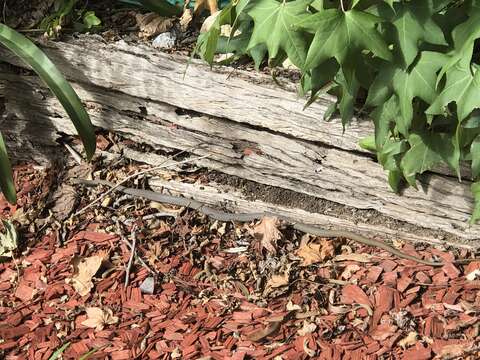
point(59, 351)
point(48, 72)
point(6, 179)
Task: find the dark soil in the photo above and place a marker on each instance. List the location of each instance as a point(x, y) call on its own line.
point(278, 196)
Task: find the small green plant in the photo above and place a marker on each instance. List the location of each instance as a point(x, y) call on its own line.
point(413, 65)
point(8, 240)
point(83, 20)
point(48, 72)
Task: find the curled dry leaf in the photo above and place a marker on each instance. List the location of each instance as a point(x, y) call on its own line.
point(84, 269)
point(316, 253)
point(98, 318)
point(64, 200)
point(293, 307)
point(409, 340)
point(469, 308)
point(308, 351)
point(473, 275)
point(152, 24)
point(349, 270)
point(261, 334)
point(307, 328)
point(186, 19)
point(267, 231)
point(278, 280)
point(336, 309)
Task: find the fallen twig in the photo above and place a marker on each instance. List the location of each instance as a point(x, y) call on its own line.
point(132, 255)
point(138, 173)
point(130, 246)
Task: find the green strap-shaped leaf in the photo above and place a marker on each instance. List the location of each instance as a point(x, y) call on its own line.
point(6, 179)
point(475, 187)
point(340, 34)
point(48, 72)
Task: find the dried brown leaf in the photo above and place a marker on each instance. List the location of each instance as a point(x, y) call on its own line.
point(97, 318)
point(278, 280)
point(267, 231)
point(186, 19)
point(307, 328)
point(261, 334)
point(64, 198)
point(152, 24)
point(310, 352)
point(409, 340)
point(349, 270)
point(316, 253)
point(84, 269)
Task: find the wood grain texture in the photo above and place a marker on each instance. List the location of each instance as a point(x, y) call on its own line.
point(250, 127)
point(232, 200)
point(144, 73)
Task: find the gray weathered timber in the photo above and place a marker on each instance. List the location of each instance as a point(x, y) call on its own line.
point(250, 128)
point(230, 199)
point(145, 73)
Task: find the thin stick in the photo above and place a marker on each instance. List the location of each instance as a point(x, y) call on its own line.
point(132, 255)
point(138, 173)
point(137, 257)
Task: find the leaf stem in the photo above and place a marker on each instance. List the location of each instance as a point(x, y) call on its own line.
point(342, 5)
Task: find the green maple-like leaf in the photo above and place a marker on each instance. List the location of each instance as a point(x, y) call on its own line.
point(419, 82)
point(384, 116)
point(347, 80)
point(389, 155)
point(426, 152)
point(339, 34)
point(462, 87)
point(409, 55)
point(475, 151)
point(464, 36)
point(414, 24)
point(273, 22)
point(418, 159)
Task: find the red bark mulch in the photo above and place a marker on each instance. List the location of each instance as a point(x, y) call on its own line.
point(219, 295)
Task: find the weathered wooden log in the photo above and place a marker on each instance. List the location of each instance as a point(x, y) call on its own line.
point(250, 127)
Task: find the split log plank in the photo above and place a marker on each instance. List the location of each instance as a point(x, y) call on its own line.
point(145, 73)
point(230, 199)
point(250, 127)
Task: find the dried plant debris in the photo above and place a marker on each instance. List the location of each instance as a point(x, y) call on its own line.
point(152, 24)
point(205, 289)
